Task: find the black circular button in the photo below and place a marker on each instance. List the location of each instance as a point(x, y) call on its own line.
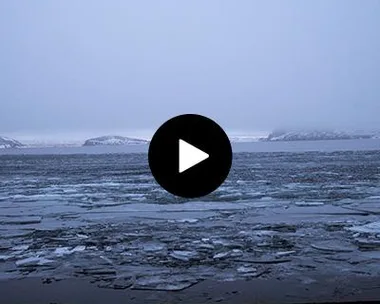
point(190, 156)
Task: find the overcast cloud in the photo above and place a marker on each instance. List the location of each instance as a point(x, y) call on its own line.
point(76, 66)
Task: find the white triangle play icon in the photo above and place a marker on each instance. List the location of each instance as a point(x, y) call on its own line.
point(189, 156)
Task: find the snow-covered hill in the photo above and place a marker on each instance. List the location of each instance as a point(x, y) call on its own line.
point(314, 135)
point(244, 139)
point(6, 142)
point(113, 141)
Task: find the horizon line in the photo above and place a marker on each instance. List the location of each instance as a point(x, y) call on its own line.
point(146, 134)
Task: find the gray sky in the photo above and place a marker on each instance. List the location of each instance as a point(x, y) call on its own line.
point(75, 66)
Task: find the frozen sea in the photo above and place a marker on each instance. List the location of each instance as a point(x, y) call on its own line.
point(286, 208)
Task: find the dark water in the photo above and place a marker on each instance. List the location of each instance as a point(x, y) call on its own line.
point(89, 180)
point(103, 216)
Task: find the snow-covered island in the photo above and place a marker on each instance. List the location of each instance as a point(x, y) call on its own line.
point(314, 135)
point(6, 142)
point(114, 141)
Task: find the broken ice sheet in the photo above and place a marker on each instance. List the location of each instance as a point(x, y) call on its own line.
point(228, 254)
point(61, 251)
point(173, 282)
point(33, 261)
point(285, 253)
point(5, 257)
point(185, 220)
point(183, 255)
point(118, 283)
point(82, 236)
point(20, 247)
point(247, 269)
point(221, 255)
point(371, 228)
point(153, 246)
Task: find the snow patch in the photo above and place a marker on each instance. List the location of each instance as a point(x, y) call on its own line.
point(7, 143)
point(113, 141)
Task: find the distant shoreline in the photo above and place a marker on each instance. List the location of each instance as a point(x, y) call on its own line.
point(254, 147)
point(116, 140)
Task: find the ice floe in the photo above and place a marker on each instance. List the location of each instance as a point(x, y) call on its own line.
point(61, 251)
point(169, 282)
point(372, 228)
point(183, 255)
point(33, 261)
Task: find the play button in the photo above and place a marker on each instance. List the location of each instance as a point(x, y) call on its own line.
point(190, 156)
